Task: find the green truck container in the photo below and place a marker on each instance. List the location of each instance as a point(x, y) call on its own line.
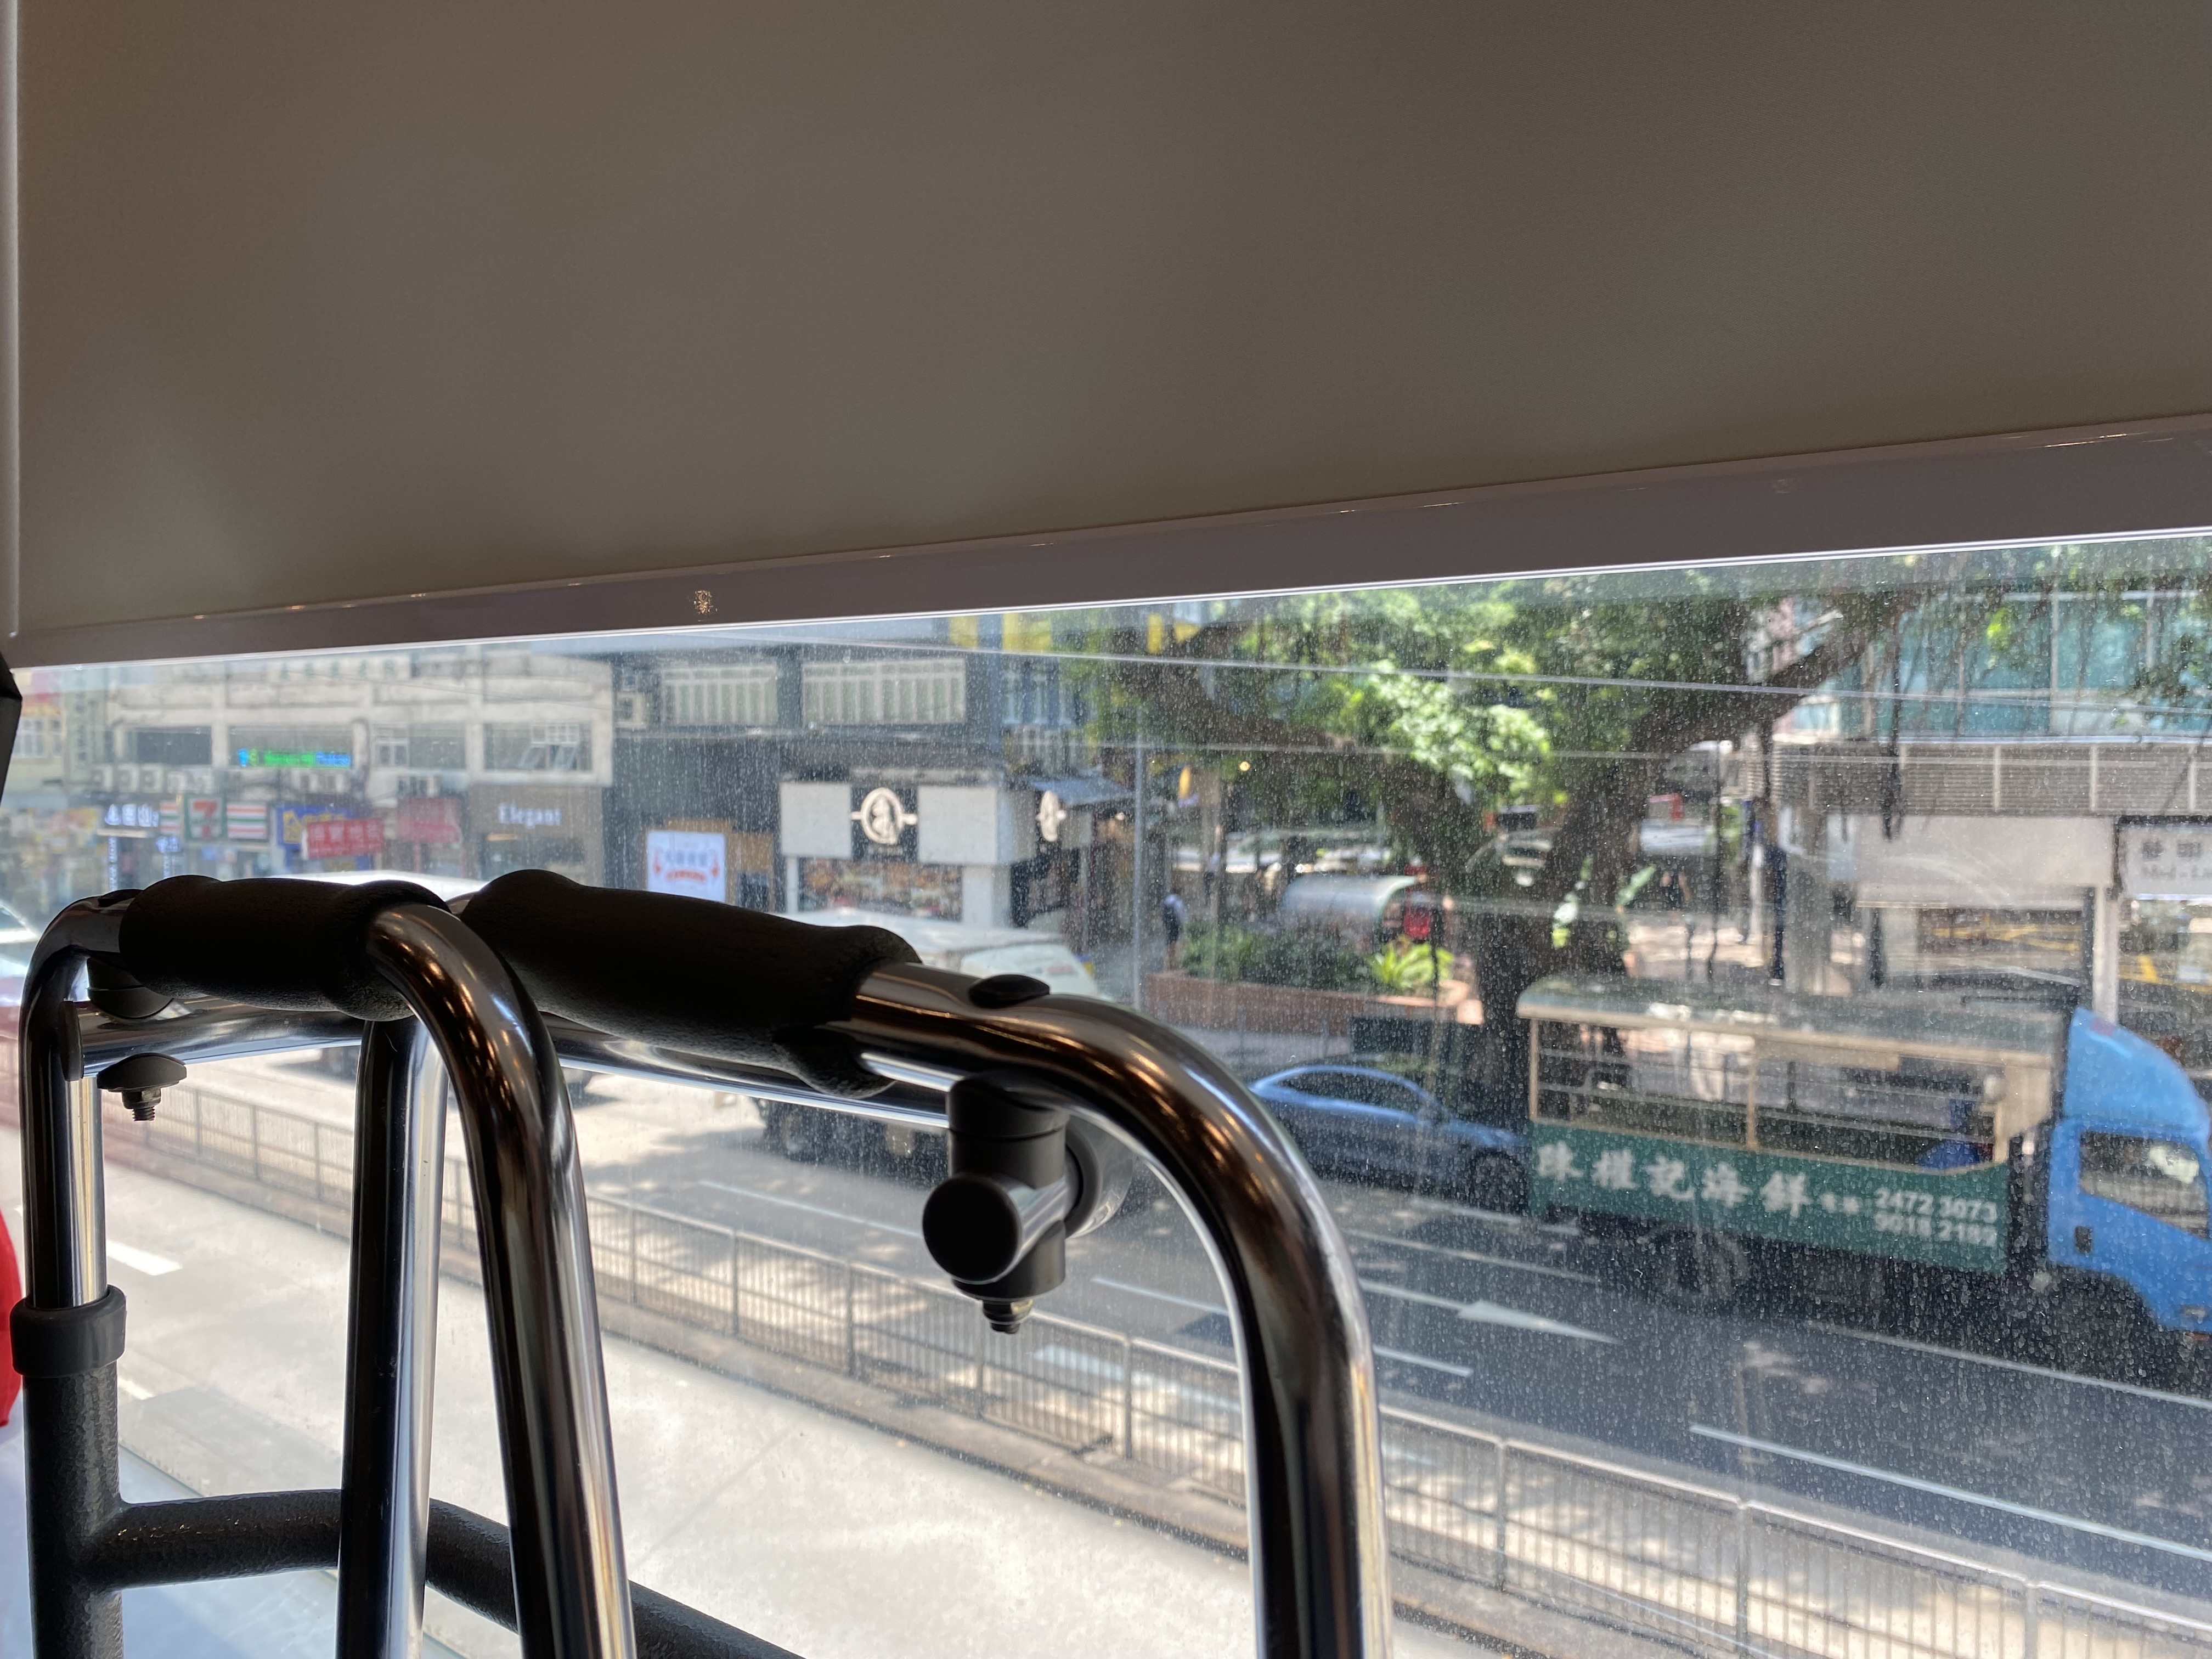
point(1875, 1125)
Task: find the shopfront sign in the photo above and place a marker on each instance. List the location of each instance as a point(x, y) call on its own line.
point(1051, 814)
point(882, 816)
point(692, 862)
point(515, 815)
point(244, 820)
point(292, 821)
point(131, 815)
point(343, 838)
point(2170, 861)
point(431, 820)
point(884, 823)
point(203, 817)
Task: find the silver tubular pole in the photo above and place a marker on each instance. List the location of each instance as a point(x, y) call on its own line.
point(571, 1594)
point(65, 1208)
point(589, 1050)
point(202, 1030)
point(70, 1475)
point(1313, 1458)
point(391, 1334)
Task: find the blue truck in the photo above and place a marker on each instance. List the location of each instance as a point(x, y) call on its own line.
point(2060, 1159)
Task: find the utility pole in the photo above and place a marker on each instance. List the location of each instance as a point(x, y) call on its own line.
point(1137, 877)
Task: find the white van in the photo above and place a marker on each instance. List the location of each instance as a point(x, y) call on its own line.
point(965, 949)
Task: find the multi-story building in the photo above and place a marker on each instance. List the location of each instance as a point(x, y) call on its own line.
point(464, 760)
point(2018, 813)
point(912, 775)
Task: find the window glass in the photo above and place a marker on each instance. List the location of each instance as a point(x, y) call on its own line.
point(1752, 925)
point(2161, 1178)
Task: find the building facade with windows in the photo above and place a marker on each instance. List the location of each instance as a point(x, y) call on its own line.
point(906, 774)
point(459, 761)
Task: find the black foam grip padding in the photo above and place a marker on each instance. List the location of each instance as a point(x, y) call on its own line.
point(274, 943)
point(686, 973)
point(67, 1342)
point(192, 1539)
point(468, 1561)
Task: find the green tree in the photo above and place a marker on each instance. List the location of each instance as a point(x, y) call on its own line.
point(1575, 692)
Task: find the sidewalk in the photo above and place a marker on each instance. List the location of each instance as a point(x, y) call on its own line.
point(288, 1616)
point(819, 1534)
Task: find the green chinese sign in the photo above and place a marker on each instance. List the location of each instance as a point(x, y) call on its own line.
point(1948, 1218)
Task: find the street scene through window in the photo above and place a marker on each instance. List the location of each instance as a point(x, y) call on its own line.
point(1752, 1025)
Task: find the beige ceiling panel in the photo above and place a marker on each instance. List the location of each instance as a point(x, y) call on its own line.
point(323, 302)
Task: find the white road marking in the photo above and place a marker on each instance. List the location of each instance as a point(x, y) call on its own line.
point(1488, 1313)
point(137, 1391)
point(1472, 1255)
point(1399, 1355)
point(1400, 1293)
point(2147, 1541)
point(812, 1209)
point(1162, 1296)
point(144, 1261)
point(1479, 1313)
point(1403, 1358)
point(1992, 1361)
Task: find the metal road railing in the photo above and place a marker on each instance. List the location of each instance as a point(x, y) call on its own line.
point(1689, 1565)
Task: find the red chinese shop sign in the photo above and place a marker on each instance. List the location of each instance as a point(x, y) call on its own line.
point(343, 838)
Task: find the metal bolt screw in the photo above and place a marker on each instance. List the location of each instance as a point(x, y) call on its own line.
point(1006, 1317)
point(138, 1082)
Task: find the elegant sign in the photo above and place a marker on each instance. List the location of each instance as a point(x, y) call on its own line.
point(692, 862)
point(343, 838)
point(2166, 860)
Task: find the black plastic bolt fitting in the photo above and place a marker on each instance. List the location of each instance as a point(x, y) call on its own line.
point(1023, 1178)
point(139, 1080)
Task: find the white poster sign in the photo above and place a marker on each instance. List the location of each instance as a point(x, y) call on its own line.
point(692, 862)
point(2166, 860)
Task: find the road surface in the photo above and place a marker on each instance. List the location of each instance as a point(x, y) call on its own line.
point(822, 1534)
point(1533, 1327)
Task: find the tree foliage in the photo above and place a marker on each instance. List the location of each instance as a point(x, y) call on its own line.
point(1573, 692)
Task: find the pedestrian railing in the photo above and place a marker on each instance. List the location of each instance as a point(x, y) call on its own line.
point(1692, 1565)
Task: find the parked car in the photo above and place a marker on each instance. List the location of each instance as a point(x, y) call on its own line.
point(1361, 1123)
point(969, 948)
point(809, 1135)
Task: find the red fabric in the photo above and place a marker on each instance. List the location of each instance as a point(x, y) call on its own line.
point(11, 1292)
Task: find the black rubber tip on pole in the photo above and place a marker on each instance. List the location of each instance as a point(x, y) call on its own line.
point(67, 1342)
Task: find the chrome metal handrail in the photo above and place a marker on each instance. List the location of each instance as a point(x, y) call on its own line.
point(1319, 1555)
point(572, 1595)
point(1312, 1469)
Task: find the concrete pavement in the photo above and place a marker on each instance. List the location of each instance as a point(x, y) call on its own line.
point(825, 1536)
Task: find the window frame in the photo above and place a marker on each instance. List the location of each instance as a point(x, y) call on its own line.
point(2117, 481)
